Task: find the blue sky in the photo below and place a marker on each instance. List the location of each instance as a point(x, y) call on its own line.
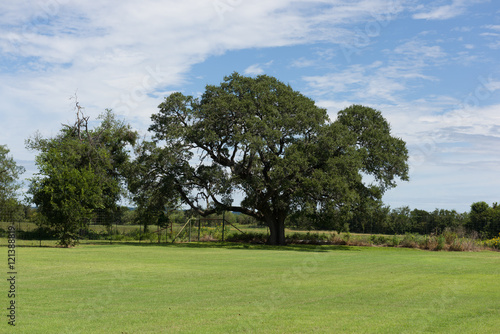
point(431, 67)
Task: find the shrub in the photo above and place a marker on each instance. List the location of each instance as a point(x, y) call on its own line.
point(395, 241)
point(470, 244)
point(294, 237)
point(379, 240)
point(409, 240)
point(252, 237)
point(40, 233)
point(441, 243)
point(428, 242)
point(493, 243)
point(456, 245)
point(449, 236)
point(347, 237)
point(308, 237)
point(335, 239)
point(117, 237)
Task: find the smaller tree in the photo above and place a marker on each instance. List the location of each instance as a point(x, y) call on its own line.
point(9, 174)
point(478, 217)
point(67, 199)
point(484, 219)
point(80, 173)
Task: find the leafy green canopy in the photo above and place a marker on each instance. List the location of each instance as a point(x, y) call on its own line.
point(260, 137)
point(9, 174)
point(484, 219)
point(80, 173)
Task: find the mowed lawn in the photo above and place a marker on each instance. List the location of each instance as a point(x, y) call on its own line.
point(214, 288)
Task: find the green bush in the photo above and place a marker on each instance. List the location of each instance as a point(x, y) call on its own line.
point(395, 241)
point(427, 242)
point(379, 240)
point(251, 237)
point(117, 237)
point(449, 236)
point(456, 245)
point(308, 237)
point(409, 240)
point(441, 243)
point(346, 237)
point(493, 243)
point(40, 233)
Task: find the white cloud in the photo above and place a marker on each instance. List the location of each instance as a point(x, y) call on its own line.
point(123, 56)
point(494, 45)
point(127, 55)
point(490, 34)
point(456, 8)
point(492, 27)
point(303, 62)
point(333, 107)
point(257, 69)
point(463, 29)
point(381, 82)
point(419, 49)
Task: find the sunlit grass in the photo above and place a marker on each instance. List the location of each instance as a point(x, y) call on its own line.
point(236, 288)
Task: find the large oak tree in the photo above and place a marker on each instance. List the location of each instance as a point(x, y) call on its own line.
point(260, 138)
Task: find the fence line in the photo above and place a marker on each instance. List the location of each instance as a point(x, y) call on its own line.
point(103, 230)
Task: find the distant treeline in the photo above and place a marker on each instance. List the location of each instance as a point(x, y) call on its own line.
point(482, 218)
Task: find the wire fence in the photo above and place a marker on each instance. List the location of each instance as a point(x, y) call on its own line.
point(102, 229)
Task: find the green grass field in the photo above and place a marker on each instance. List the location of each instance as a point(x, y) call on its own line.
point(235, 288)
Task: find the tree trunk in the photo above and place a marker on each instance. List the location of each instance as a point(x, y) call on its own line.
point(277, 230)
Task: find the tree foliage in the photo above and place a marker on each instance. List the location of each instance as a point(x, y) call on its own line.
point(259, 137)
point(151, 194)
point(9, 174)
point(80, 172)
point(484, 219)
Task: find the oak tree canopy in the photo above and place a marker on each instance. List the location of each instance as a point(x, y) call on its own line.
point(260, 138)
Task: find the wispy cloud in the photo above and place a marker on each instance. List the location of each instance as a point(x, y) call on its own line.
point(492, 34)
point(257, 69)
point(123, 56)
point(380, 81)
point(492, 27)
point(419, 49)
point(303, 62)
point(456, 8)
point(128, 55)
